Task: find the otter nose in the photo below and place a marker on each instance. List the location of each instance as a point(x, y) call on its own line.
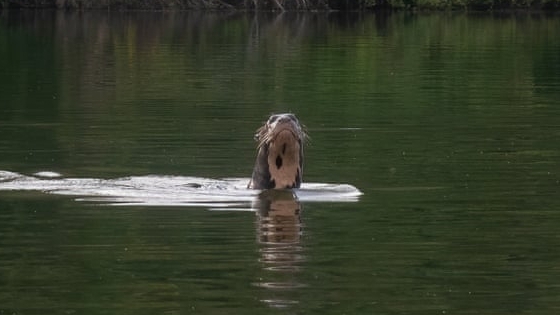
point(285, 118)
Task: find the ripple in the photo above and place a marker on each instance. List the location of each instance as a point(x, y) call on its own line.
point(165, 190)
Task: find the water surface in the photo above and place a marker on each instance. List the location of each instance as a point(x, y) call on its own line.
point(447, 123)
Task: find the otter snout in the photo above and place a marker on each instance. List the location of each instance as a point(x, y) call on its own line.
point(283, 118)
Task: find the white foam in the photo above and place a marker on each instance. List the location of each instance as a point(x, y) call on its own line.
point(47, 174)
point(164, 190)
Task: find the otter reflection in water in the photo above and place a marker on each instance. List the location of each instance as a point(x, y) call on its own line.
point(279, 230)
point(279, 162)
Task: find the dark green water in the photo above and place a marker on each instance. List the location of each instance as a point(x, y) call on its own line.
point(448, 123)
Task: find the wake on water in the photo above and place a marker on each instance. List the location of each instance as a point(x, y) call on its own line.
point(165, 190)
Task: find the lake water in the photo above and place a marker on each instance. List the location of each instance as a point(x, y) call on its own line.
point(448, 123)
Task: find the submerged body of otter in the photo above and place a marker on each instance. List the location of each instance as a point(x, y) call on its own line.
point(279, 162)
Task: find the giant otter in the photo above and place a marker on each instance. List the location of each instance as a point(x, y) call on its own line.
point(279, 162)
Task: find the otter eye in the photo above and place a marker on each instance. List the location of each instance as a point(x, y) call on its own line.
point(272, 119)
point(292, 117)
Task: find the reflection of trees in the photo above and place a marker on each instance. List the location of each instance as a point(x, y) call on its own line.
point(114, 74)
point(279, 230)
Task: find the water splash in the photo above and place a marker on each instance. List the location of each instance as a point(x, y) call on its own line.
point(163, 190)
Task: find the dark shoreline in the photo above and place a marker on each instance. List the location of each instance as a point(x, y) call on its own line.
point(286, 5)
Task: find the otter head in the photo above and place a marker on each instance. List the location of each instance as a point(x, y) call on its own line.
point(279, 161)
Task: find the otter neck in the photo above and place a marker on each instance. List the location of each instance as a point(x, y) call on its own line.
point(284, 161)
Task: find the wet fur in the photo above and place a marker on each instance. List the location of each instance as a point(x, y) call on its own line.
point(279, 162)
